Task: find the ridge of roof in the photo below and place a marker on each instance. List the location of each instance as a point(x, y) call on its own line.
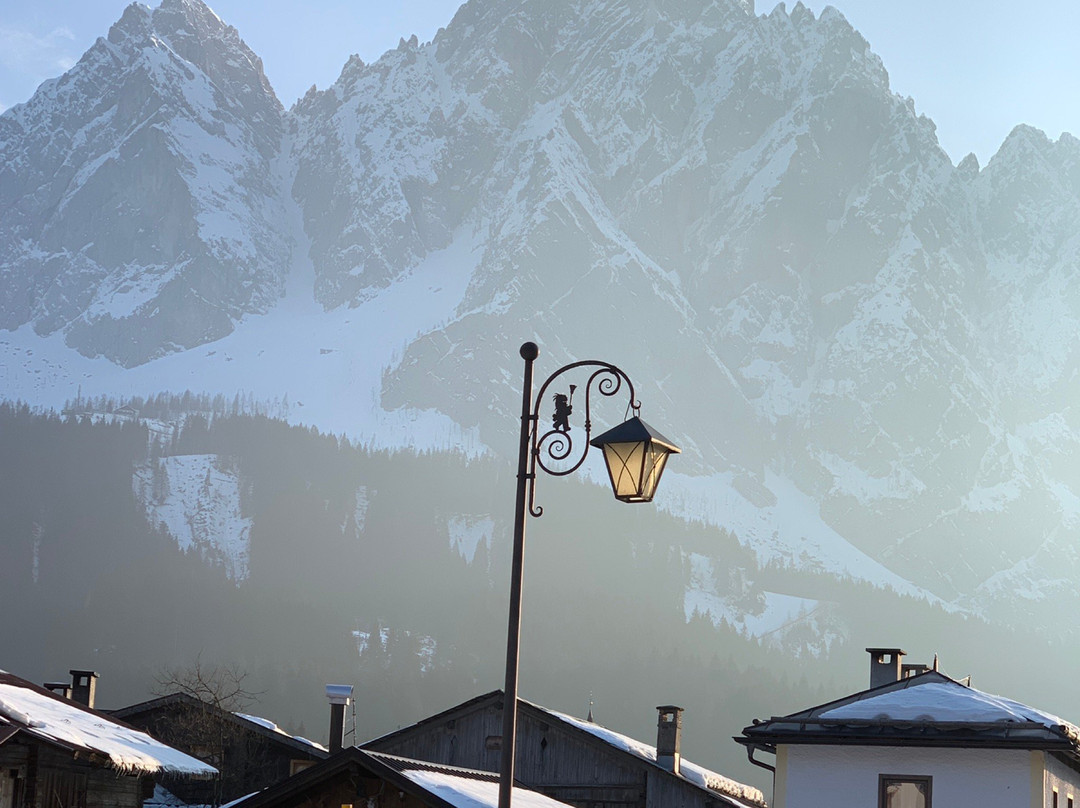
point(402, 763)
point(394, 769)
point(714, 783)
point(255, 723)
point(437, 717)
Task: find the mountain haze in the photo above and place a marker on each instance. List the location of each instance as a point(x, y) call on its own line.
point(865, 351)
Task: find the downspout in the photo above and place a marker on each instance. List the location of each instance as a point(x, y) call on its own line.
point(751, 748)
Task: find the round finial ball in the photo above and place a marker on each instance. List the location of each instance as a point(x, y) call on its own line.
point(529, 351)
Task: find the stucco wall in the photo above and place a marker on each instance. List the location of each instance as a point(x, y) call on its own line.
point(1065, 779)
point(832, 776)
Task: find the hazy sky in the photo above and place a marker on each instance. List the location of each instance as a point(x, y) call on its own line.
point(976, 69)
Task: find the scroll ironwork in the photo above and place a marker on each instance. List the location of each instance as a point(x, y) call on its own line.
point(556, 444)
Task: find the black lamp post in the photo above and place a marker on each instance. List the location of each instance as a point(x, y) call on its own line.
point(635, 455)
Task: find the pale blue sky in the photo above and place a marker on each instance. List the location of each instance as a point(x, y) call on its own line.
point(976, 69)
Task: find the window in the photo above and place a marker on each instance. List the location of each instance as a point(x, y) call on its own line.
point(296, 766)
point(1053, 799)
point(903, 791)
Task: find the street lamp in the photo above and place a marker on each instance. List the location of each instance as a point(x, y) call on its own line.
point(635, 455)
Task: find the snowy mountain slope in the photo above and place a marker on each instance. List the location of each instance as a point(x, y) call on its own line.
point(868, 347)
point(196, 498)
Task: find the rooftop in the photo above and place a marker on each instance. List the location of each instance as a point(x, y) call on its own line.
point(30, 710)
point(930, 709)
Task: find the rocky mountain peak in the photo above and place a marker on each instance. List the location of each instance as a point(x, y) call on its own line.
point(737, 205)
point(134, 22)
point(145, 189)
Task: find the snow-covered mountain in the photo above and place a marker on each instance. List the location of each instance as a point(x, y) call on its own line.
point(142, 211)
point(864, 350)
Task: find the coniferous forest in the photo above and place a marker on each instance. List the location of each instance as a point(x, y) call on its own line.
point(353, 577)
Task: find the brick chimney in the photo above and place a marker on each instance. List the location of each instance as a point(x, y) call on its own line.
point(340, 696)
point(885, 665)
point(83, 687)
point(669, 737)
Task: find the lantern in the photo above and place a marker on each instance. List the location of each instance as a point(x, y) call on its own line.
point(635, 455)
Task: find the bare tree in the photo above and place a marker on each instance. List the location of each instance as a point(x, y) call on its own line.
point(220, 685)
point(203, 723)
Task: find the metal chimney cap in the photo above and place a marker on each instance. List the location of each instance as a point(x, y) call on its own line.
point(339, 694)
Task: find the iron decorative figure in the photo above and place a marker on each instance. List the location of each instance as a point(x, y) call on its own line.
point(564, 408)
point(635, 455)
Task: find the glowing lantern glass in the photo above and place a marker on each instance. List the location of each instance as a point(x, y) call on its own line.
point(635, 455)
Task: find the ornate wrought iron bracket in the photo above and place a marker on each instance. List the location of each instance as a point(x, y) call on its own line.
point(556, 445)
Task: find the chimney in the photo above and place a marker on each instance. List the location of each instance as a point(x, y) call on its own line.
point(339, 696)
point(83, 687)
point(913, 669)
point(885, 665)
point(61, 689)
point(669, 737)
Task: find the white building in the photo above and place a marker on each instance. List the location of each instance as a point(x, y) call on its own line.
point(919, 739)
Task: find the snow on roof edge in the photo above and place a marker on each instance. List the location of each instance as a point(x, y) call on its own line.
point(266, 723)
point(691, 772)
point(56, 720)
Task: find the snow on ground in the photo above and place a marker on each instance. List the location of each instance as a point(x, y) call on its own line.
point(163, 798)
point(422, 646)
point(329, 365)
point(763, 616)
point(702, 596)
point(466, 533)
point(197, 499)
point(360, 511)
point(126, 748)
point(851, 480)
point(790, 531)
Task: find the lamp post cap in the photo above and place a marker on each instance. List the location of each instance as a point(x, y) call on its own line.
point(529, 351)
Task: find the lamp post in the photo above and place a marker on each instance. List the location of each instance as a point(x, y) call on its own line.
point(635, 455)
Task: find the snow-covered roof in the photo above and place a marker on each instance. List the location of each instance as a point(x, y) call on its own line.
point(717, 784)
point(944, 702)
point(433, 784)
point(696, 774)
point(266, 723)
point(263, 726)
point(930, 709)
point(466, 789)
point(39, 713)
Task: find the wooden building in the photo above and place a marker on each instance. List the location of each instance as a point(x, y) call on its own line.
point(354, 777)
point(250, 752)
point(573, 760)
point(59, 753)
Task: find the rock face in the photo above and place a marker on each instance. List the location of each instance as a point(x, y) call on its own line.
point(734, 207)
point(142, 212)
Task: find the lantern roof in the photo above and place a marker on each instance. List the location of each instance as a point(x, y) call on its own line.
point(634, 431)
